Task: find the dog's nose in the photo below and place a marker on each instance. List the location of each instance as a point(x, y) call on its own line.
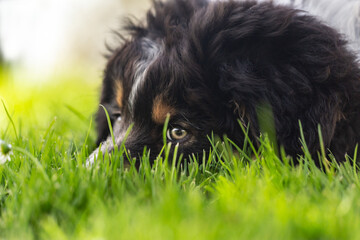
point(120, 134)
point(105, 146)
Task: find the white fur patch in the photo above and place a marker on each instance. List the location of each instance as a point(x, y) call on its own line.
point(152, 51)
point(108, 144)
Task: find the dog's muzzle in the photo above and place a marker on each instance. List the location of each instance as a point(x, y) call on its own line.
point(108, 144)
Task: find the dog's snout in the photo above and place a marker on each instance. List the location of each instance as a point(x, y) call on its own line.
point(109, 144)
point(133, 139)
point(105, 146)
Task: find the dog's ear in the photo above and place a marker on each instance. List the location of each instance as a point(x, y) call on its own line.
point(110, 94)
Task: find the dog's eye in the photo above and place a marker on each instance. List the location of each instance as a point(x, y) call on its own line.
point(117, 116)
point(176, 134)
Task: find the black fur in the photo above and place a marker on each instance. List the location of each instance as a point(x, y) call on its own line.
point(220, 61)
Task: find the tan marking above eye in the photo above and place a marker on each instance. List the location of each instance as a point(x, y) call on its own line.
point(119, 93)
point(160, 110)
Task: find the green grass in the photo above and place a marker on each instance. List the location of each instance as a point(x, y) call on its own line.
point(46, 192)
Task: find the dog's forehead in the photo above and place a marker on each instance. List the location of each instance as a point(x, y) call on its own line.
point(156, 85)
point(149, 53)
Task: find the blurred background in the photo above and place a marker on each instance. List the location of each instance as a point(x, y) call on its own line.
point(46, 37)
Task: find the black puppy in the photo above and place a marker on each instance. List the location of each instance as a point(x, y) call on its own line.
point(209, 64)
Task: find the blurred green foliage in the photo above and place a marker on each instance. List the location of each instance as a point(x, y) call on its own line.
point(68, 100)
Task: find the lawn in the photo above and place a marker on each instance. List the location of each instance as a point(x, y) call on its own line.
point(46, 192)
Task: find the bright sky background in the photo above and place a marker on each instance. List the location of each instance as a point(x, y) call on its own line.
point(48, 36)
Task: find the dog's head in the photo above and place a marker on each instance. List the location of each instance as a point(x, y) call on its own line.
point(204, 66)
point(156, 74)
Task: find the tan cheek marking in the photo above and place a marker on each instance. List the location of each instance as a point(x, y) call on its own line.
point(160, 110)
point(119, 93)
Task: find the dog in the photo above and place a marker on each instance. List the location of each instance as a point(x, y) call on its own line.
point(205, 67)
